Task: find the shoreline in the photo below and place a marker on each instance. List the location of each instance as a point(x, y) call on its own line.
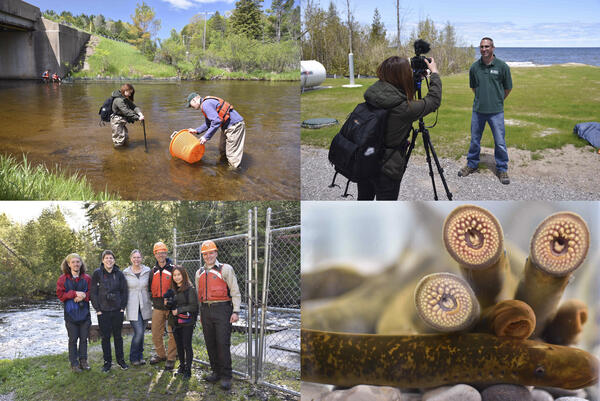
point(530, 64)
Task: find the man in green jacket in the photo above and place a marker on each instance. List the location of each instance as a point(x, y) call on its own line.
point(490, 80)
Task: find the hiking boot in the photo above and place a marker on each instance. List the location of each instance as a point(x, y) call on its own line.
point(169, 365)
point(76, 369)
point(141, 362)
point(83, 365)
point(187, 374)
point(226, 384)
point(156, 359)
point(212, 378)
point(503, 176)
point(123, 365)
point(106, 367)
point(466, 170)
point(180, 370)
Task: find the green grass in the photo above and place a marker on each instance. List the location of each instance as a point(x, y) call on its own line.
point(23, 181)
point(540, 112)
point(116, 59)
point(50, 378)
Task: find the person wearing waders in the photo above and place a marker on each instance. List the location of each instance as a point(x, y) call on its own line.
point(220, 299)
point(123, 111)
point(220, 114)
point(159, 283)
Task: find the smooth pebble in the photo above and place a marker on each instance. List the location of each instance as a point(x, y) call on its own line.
point(460, 392)
point(365, 393)
point(506, 392)
point(541, 395)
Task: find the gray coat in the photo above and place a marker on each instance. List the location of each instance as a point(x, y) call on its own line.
point(139, 297)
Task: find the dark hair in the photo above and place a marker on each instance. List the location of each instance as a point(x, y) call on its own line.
point(106, 252)
point(125, 87)
point(186, 279)
point(396, 70)
point(486, 38)
point(66, 269)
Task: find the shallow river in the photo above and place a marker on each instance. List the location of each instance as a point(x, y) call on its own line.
point(58, 125)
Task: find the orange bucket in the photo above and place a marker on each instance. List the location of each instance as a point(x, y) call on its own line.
point(184, 145)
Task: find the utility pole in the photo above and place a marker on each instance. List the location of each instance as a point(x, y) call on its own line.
point(206, 13)
point(187, 46)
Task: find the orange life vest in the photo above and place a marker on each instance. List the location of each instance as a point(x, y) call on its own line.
point(223, 108)
point(161, 282)
point(45, 74)
point(211, 286)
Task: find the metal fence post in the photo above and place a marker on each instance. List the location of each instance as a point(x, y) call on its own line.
point(249, 244)
point(175, 244)
point(265, 291)
point(256, 303)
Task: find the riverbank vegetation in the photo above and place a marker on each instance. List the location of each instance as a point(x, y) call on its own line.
point(31, 253)
point(536, 117)
point(23, 181)
point(250, 43)
point(329, 38)
point(49, 378)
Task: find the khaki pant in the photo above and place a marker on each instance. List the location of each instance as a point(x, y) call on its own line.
point(120, 135)
point(231, 143)
point(159, 321)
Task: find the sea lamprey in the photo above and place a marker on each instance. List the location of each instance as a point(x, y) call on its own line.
point(346, 359)
point(558, 247)
point(473, 237)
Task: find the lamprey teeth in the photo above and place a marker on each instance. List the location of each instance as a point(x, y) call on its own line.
point(560, 243)
point(446, 303)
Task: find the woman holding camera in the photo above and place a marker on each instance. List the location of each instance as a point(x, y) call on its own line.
point(395, 91)
point(139, 306)
point(73, 290)
point(183, 303)
point(109, 298)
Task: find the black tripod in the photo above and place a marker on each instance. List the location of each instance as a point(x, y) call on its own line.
point(428, 146)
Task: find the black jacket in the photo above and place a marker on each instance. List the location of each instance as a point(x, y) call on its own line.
point(401, 115)
point(109, 290)
point(187, 301)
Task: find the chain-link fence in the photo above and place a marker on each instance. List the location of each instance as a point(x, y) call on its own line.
point(279, 345)
point(265, 346)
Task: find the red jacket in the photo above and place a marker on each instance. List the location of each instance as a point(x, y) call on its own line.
point(212, 287)
point(63, 295)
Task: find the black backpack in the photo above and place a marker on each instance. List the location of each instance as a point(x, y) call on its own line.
point(106, 110)
point(356, 151)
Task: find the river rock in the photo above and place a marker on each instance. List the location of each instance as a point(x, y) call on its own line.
point(571, 399)
point(541, 395)
point(365, 393)
point(562, 392)
point(460, 392)
point(506, 392)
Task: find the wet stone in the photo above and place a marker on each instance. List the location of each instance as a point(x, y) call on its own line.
point(571, 399)
point(506, 392)
point(541, 395)
point(365, 393)
point(460, 392)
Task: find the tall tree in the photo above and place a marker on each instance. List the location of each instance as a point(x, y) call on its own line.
point(143, 28)
point(278, 13)
point(246, 18)
point(377, 32)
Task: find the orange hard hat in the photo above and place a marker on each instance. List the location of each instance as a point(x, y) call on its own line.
point(159, 247)
point(208, 246)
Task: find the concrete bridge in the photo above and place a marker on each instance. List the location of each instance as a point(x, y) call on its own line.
point(30, 44)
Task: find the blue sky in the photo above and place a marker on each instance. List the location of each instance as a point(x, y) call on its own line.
point(172, 13)
point(511, 23)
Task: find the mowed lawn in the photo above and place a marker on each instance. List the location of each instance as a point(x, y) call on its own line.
point(540, 112)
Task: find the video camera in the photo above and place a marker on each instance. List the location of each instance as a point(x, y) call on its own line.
point(417, 62)
point(171, 301)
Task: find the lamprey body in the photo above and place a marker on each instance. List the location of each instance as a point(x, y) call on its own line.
point(345, 359)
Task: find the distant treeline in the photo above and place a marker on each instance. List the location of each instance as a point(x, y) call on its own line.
point(31, 254)
point(326, 39)
point(247, 39)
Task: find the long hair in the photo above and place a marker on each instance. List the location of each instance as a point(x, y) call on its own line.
point(396, 70)
point(64, 266)
point(125, 87)
point(186, 279)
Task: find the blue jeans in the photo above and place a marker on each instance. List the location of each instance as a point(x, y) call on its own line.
point(496, 123)
point(136, 352)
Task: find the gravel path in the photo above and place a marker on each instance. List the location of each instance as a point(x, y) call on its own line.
point(566, 174)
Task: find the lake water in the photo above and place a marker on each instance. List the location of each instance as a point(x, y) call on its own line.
point(549, 55)
point(58, 125)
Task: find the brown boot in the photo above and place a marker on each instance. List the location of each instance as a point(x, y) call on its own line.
point(84, 365)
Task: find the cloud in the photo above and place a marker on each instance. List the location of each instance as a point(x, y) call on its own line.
point(187, 4)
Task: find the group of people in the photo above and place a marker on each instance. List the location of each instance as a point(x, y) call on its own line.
point(163, 294)
point(491, 82)
point(217, 112)
point(46, 77)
